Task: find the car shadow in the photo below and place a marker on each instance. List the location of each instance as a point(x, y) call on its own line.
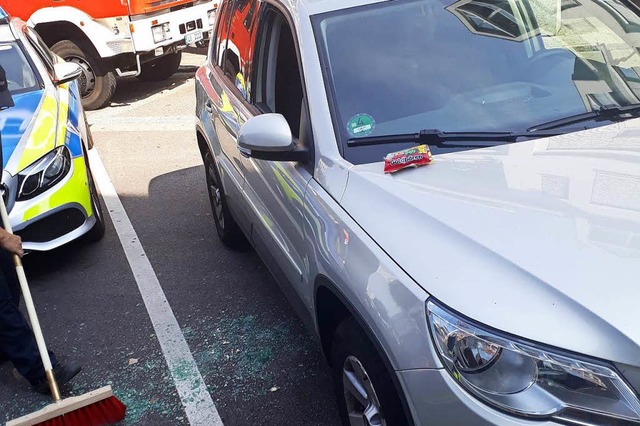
point(245, 337)
point(76, 254)
point(132, 89)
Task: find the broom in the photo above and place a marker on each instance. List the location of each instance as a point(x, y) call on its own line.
point(96, 408)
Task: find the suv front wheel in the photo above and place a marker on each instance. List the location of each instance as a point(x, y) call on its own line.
point(364, 389)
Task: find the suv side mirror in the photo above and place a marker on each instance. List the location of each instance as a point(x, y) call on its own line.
point(269, 137)
point(66, 72)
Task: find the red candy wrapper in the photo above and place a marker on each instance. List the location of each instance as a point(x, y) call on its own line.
point(412, 157)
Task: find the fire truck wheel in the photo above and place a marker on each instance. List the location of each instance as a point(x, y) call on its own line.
point(97, 83)
point(162, 68)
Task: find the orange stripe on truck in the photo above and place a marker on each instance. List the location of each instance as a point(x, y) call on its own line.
point(146, 6)
point(97, 9)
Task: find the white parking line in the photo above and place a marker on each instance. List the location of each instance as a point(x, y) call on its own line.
point(176, 123)
point(192, 390)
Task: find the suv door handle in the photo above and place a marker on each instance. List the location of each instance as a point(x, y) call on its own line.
point(208, 105)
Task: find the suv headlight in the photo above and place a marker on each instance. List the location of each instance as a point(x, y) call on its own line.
point(526, 380)
point(44, 173)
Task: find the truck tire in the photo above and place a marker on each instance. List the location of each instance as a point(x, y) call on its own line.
point(162, 68)
point(97, 83)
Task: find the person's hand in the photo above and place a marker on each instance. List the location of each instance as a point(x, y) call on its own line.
point(11, 243)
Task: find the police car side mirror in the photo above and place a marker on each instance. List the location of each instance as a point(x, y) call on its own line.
point(66, 72)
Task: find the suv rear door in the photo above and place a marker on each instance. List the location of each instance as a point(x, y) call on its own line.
point(227, 103)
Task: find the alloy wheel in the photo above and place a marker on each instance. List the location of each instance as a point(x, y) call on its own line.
point(363, 405)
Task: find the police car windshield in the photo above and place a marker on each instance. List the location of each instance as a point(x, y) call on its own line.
point(20, 75)
point(475, 65)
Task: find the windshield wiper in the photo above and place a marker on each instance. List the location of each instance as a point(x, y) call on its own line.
point(441, 139)
point(612, 113)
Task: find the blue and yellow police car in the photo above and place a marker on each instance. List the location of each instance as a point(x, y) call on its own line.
point(46, 180)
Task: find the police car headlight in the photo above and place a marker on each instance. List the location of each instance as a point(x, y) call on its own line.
point(44, 173)
point(524, 379)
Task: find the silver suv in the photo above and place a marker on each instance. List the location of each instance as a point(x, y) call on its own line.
point(498, 284)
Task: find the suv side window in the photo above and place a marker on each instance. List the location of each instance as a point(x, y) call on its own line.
point(278, 79)
point(219, 43)
point(238, 57)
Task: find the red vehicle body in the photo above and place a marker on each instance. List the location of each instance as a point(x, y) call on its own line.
point(111, 38)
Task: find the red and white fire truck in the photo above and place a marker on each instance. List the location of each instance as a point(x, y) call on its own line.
point(111, 38)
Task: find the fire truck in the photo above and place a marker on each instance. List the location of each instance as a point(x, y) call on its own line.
point(117, 38)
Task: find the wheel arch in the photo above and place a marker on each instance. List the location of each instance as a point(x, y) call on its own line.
point(331, 308)
point(203, 144)
point(59, 23)
point(53, 32)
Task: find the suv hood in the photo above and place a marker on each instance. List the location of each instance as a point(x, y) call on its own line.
point(540, 239)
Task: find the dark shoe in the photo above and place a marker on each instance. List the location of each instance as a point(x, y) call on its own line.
point(63, 373)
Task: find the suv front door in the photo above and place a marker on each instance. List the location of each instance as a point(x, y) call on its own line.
point(275, 190)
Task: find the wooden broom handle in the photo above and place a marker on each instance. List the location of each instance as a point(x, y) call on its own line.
point(31, 309)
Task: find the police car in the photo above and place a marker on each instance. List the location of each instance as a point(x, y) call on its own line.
point(46, 180)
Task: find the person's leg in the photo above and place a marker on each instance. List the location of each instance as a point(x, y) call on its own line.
point(8, 269)
point(17, 342)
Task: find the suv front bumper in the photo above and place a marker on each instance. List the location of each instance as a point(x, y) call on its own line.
point(435, 398)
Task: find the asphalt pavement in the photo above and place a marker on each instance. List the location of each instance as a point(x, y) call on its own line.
point(258, 362)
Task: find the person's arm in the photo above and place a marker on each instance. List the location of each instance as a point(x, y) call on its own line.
point(11, 243)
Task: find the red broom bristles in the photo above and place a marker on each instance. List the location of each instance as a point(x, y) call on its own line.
point(101, 413)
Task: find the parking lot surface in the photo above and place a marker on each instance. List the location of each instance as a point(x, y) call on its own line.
point(257, 361)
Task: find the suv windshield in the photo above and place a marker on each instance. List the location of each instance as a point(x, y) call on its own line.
point(20, 75)
point(475, 65)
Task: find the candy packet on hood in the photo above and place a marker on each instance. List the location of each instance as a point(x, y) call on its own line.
point(412, 157)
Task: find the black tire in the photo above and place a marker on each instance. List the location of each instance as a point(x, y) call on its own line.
point(98, 83)
point(97, 232)
point(228, 230)
point(162, 68)
point(350, 344)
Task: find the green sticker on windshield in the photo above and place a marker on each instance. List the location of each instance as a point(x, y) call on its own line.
point(361, 125)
